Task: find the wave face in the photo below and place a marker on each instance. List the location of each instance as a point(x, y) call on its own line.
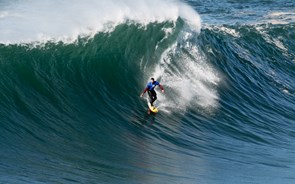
point(70, 109)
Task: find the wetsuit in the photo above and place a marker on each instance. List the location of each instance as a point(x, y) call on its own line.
point(150, 88)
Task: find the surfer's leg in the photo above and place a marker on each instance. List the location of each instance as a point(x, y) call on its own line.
point(150, 97)
point(154, 97)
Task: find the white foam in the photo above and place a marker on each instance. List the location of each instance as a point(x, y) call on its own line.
point(190, 81)
point(230, 31)
point(34, 20)
point(270, 39)
point(224, 29)
point(280, 17)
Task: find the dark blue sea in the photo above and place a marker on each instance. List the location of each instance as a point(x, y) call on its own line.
point(71, 75)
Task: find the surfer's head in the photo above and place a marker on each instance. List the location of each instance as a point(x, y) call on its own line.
point(152, 79)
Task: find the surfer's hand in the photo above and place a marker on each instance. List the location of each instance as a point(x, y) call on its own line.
point(163, 91)
point(141, 95)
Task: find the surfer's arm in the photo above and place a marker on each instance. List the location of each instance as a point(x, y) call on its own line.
point(161, 88)
point(143, 92)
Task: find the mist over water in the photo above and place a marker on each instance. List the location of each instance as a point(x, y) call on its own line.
point(31, 21)
point(189, 77)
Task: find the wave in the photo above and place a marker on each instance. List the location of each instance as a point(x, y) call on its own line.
point(115, 64)
point(113, 67)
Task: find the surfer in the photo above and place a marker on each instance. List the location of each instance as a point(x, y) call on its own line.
point(150, 88)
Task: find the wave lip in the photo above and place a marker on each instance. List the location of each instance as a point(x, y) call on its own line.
point(40, 21)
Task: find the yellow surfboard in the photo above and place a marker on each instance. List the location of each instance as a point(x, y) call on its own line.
point(153, 108)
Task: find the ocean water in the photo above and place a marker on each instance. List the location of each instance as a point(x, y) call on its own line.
point(72, 73)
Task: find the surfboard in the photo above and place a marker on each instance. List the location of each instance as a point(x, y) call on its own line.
point(153, 108)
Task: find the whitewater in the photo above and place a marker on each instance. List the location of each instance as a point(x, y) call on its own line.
point(39, 21)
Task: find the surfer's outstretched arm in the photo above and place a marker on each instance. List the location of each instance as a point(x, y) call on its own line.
point(161, 88)
point(141, 95)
